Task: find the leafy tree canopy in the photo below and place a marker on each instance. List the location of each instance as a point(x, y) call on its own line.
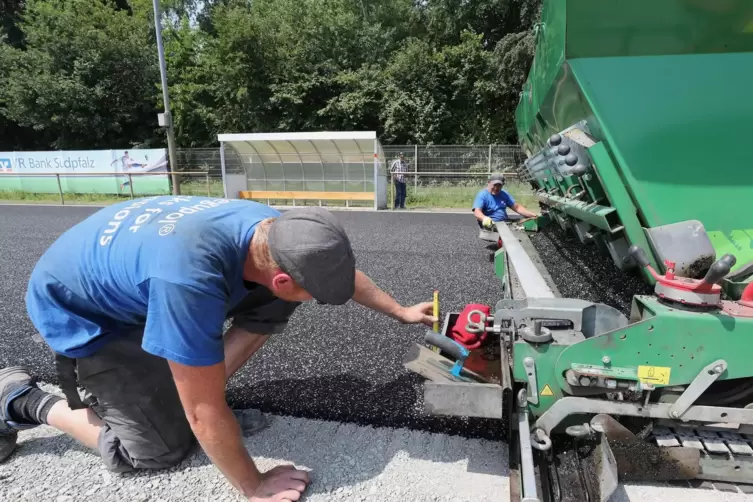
point(85, 74)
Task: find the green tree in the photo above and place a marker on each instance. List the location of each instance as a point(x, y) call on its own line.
point(84, 74)
point(512, 60)
point(85, 78)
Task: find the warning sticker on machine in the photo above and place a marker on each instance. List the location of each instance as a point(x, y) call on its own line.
point(546, 391)
point(654, 374)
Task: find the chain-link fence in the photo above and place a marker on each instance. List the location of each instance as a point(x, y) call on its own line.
point(436, 176)
point(452, 175)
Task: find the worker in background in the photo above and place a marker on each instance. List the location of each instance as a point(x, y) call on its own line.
point(132, 302)
point(491, 203)
point(398, 169)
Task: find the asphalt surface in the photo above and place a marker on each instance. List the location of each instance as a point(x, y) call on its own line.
point(581, 271)
point(332, 363)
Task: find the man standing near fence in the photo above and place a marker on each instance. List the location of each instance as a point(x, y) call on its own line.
point(398, 169)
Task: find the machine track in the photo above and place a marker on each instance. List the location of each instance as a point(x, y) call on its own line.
point(726, 457)
point(569, 471)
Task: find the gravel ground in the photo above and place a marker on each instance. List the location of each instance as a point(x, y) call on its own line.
point(332, 363)
point(346, 462)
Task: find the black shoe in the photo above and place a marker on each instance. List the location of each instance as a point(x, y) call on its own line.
point(14, 382)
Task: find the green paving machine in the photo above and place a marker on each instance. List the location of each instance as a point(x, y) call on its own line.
point(637, 124)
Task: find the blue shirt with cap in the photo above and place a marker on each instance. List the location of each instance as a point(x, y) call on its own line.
point(171, 264)
point(494, 206)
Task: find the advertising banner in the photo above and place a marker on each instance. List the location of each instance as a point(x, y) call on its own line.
point(88, 166)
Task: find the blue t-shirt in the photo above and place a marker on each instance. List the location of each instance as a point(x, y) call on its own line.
point(171, 264)
point(494, 206)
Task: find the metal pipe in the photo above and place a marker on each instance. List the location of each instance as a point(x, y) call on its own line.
point(173, 164)
point(415, 168)
point(526, 452)
point(577, 195)
point(96, 173)
point(222, 166)
point(489, 163)
point(376, 172)
point(60, 189)
point(130, 184)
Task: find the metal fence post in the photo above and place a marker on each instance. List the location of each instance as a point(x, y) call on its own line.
point(130, 183)
point(224, 171)
point(490, 160)
point(415, 168)
point(60, 189)
point(209, 189)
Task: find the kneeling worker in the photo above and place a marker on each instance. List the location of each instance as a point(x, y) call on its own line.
point(133, 301)
point(491, 203)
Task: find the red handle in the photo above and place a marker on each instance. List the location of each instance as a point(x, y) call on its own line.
point(747, 295)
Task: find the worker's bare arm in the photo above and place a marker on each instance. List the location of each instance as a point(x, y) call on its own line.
point(523, 211)
point(240, 345)
point(478, 214)
point(370, 295)
point(202, 392)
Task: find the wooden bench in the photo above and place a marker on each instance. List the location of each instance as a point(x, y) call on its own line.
point(303, 195)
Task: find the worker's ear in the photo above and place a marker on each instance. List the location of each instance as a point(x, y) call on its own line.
point(282, 281)
point(283, 286)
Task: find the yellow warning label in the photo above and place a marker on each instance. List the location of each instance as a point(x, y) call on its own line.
point(654, 374)
point(546, 391)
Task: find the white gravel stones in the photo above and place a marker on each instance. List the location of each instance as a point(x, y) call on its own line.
point(347, 463)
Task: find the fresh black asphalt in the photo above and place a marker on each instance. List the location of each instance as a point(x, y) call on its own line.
point(335, 363)
point(582, 271)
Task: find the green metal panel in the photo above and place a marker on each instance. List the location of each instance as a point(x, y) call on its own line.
point(683, 341)
point(550, 54)
point(545, 356)
point(499, 264)
point(598, 28)
point(679, 128)
point(620, 198)
point(595, 215)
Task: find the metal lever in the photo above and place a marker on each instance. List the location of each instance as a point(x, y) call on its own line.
point(451, 347)
point(527, 469)
point(698, 386)
point(448, 345)
point(639, 255)
point(720, 269)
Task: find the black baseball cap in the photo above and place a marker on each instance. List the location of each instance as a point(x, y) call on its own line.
point(311, 246)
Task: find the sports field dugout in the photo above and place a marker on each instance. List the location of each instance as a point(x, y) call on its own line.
point(325, 168)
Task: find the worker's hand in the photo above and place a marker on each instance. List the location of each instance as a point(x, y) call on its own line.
point(420, 313)
point(284, 483)
point(487, 222)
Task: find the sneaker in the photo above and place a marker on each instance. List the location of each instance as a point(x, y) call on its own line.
point(251, 421)
point(14, 382)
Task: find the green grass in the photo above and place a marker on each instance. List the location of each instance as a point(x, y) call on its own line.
point(186, 188)
point(459, 197)
point(428, 197)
